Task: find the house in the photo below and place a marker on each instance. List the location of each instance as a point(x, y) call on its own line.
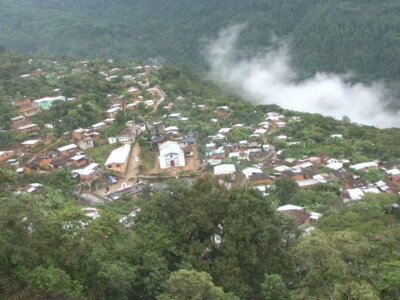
point(260, 132)
point(301, 217)
point(188, 150)
point(334, 164)
point(26, 108)
point(299, 213)
point(99, 126)
point(314, 160)
point(225, 171)
point(112, 140)
point(126, 137)
point(4, 155)
point(209, 148)
point(148, 103)
point(16, 121)
point(130, 123)
point(32, 188)
point(341, 174)
point(134, 90)
point(171, 130)
point(88, 172)
point(61, 162)
point(243, 144)
point(304, 184)
point(247, 172)
point(90, 135)
point(352, 194)
point(280, 124)
point(274, 116)
point(28, 128)
point(281, 137)
point(218, 153)
point(217, 137)
point(387, 187)
point(47, 102)
point(79, 159)
point(171, 155)
point(364, 166)
point(224, 130)
point(290, 207)
point(234, 154)
point(13, 162)
point(222, 110)
point(177, 116)
point(263, 125)
point(295, 174)
point(78, 133)
point(133, 106)
point(39, 162)
point(63, 151)
point(112, 112)
point(118, 159)
point(261, 179)
point(168, 106)
point(356, 183)
point(30, 143)
point(86, 143)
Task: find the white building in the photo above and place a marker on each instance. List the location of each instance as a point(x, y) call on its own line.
point(171, 155)
point(224, 169)
point(148, 103)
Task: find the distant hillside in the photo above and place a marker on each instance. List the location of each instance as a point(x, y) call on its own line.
point(327, 35)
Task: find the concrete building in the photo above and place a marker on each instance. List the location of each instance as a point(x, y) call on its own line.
point(118, 159)
point(47, 102)
point(171, 155)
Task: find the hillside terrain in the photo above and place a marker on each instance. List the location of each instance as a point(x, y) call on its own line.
point(325, 35)
point(121, 180)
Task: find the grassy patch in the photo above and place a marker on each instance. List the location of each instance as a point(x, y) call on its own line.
point(148, 159)
point(101, 153)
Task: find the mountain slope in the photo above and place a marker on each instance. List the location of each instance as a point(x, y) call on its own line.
point(327, 35)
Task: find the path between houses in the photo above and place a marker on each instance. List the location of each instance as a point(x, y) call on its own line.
point(93, 198)
point(133, 167)
point(159, 101)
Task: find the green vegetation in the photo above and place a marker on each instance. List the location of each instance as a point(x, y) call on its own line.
point(327, 35)
point(101, 153)
point(201, 241)
point(198, 242)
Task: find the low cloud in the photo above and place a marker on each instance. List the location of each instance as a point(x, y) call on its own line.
point(270, 79)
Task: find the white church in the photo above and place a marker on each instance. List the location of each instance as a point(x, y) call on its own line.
point(171, 155)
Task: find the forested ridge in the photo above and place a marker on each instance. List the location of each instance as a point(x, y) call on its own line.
point(51, 250)
point(326, 35)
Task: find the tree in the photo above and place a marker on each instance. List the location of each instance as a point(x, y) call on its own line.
point(52, 282)
point(320, 262)
point(285, 189)
point(388, 285)
point(189, 284)
point(274, 288)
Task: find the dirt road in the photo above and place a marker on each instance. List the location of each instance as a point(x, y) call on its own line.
point(133, 167)
point(161, 97)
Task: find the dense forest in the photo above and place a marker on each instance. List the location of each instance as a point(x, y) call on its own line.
point(326, 35)
point(49, 249)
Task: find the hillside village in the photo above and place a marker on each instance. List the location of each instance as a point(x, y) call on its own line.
point(117, 177)
point(144, 135)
